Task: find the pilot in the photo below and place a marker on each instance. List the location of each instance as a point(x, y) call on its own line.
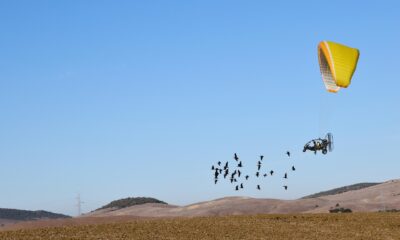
point(314, 143)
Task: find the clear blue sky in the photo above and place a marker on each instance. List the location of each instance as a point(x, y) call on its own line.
point(112, 99)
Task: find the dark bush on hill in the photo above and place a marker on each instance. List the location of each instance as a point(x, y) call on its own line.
point(390, 210)
point(353, 187)
point(24, 215)
point(340, 210)
point(128, 202)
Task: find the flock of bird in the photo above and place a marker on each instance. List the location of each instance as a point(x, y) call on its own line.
point(235, 175)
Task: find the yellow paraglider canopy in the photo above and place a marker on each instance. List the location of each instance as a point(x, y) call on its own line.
point(337, 63)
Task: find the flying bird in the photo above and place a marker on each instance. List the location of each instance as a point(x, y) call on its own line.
point(216, 180)
point(238, 171)
point(232, 180)
point(241, 185)
point(247, 177)
point(212, 167)
point(257, 174)
point(219, 163)
point(285, 175)
point(285, 187)
point(216, 173)
point(261, 157)
point(240, 164)
point(259, 165)
point(234, 173)
point(237, 187)
point(258, 187)
point(265, 174)
point(288, 153)
point(236, 157)
point(293, 169)
point(226, 166)
point(271, 172)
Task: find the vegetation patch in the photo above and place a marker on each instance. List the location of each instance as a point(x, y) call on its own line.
point(24, 215)
point(334, 191)
point(390, 210)
point(130, 201)
point(340, 210)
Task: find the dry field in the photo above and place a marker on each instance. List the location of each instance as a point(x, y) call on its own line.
point(280, 226)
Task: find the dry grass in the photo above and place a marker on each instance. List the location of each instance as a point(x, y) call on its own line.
point(301, 226)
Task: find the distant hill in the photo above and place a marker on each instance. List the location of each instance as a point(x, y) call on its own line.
point(364, 197)
point(341, 190)
point(128, 202)
point(24, 215)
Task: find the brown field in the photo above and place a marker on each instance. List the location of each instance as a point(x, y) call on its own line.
point(271, 226)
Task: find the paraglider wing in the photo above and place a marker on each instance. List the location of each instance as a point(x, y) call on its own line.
point(337, 64)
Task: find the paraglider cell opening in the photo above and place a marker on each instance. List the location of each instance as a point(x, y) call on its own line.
point(326, 72)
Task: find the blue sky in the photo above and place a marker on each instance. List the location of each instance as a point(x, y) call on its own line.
point(112, 99)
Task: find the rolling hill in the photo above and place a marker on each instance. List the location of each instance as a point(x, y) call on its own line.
point(341, 190)
point(130, 201)
point(377, 197)
point(358, 198)
point(8, 216)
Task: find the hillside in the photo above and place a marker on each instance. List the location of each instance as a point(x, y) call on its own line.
point(25, 215)
point(339, 190)
point(376, 197)
point(373, 199)
point(128, 202)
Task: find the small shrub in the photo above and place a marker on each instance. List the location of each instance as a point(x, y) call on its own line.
point(390, 210)
point(340, 210)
